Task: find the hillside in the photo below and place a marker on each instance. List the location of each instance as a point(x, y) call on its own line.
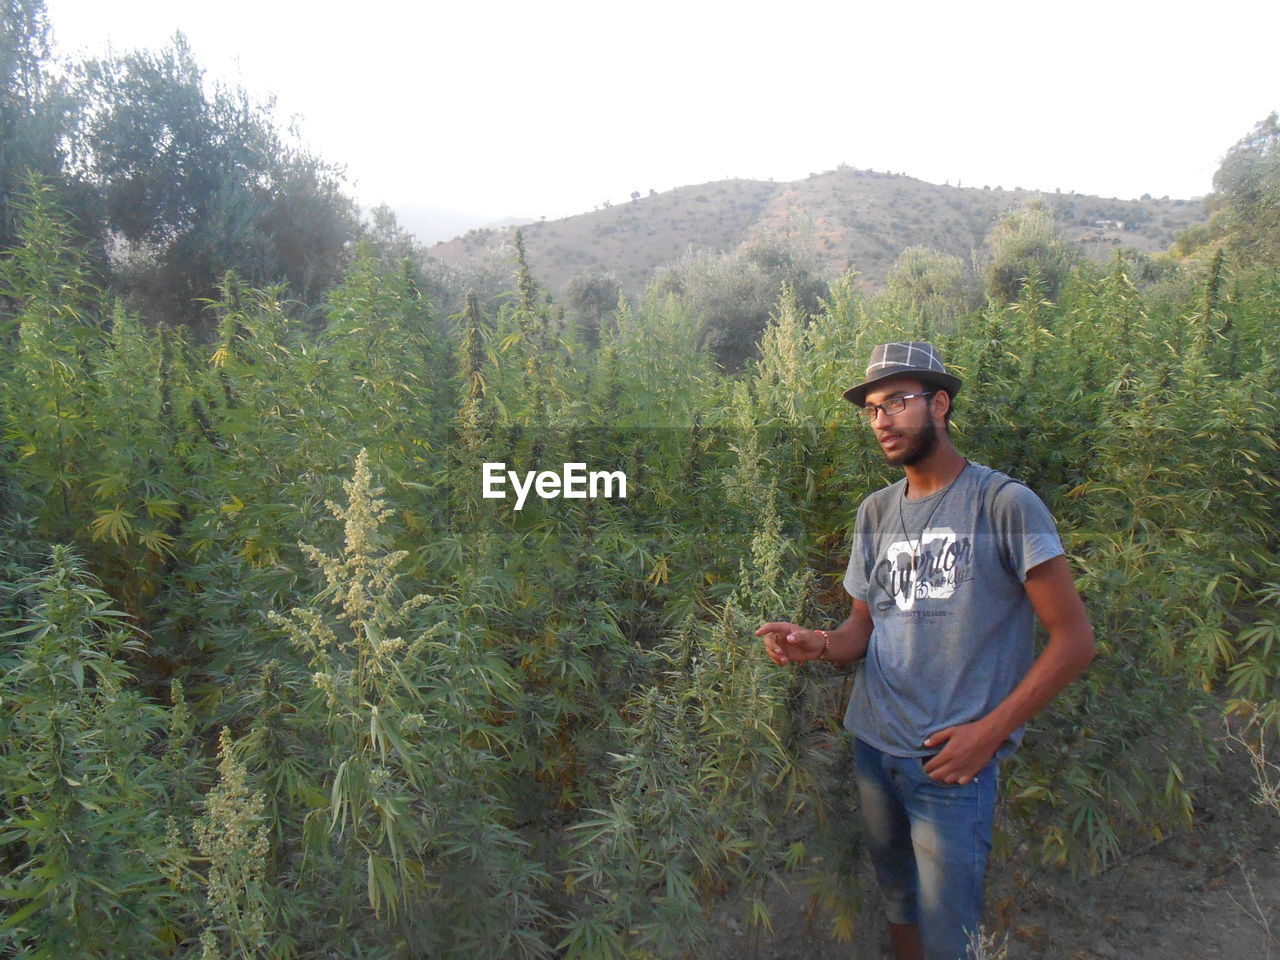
point(858, 219)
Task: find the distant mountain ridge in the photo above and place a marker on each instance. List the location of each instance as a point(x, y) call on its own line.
point(859, 219)
point(436, 224)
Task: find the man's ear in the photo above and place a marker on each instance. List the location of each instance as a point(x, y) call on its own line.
point(941, 403)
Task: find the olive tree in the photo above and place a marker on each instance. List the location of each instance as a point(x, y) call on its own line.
point(732, 295)
point(1026, 243)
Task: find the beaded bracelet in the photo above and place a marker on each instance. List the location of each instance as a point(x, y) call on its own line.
point(826, 645)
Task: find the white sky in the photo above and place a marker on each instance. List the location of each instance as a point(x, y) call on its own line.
point(549, 107)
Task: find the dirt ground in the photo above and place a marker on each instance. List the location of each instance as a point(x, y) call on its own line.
point(1211, 891)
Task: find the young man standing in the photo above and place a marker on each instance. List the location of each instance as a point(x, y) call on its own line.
point(948, 570)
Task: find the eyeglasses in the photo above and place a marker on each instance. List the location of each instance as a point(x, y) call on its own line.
point(891, 407)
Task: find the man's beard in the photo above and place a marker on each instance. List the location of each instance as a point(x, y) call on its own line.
point(916, 447)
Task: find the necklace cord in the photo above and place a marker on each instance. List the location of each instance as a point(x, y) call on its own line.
point(902, 520)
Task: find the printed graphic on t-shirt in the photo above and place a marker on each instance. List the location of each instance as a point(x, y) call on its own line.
point(929, 569)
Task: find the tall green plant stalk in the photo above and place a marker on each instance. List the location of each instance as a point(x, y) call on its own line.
point(83, 849)
point(234, 839)
point(415, 806)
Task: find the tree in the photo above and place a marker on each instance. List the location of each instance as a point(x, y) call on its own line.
point(734, 294)
point(35, 111)
point(1247, 189)
point(590, 296)
point(1027, 243)
point(198, 183)
point(928, 287)
point(390, 241)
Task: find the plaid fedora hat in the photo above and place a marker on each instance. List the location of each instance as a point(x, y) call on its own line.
point(895, 359)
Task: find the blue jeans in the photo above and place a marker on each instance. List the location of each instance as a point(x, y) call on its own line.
point(929, 843)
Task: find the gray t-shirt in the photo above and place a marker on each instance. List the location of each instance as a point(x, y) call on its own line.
point(953, 629)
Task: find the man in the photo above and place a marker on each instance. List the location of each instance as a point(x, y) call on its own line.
point(948, 568)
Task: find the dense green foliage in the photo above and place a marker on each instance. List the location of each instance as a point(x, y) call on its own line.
point(277, 681)
point(280, 682)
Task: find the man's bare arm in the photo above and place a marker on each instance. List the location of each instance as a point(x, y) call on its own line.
point(1069, 651)
point(788, 643)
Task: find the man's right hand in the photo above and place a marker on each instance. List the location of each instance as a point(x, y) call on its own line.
point(789, 643)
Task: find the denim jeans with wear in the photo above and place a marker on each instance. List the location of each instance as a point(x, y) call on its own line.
point(929, 842)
